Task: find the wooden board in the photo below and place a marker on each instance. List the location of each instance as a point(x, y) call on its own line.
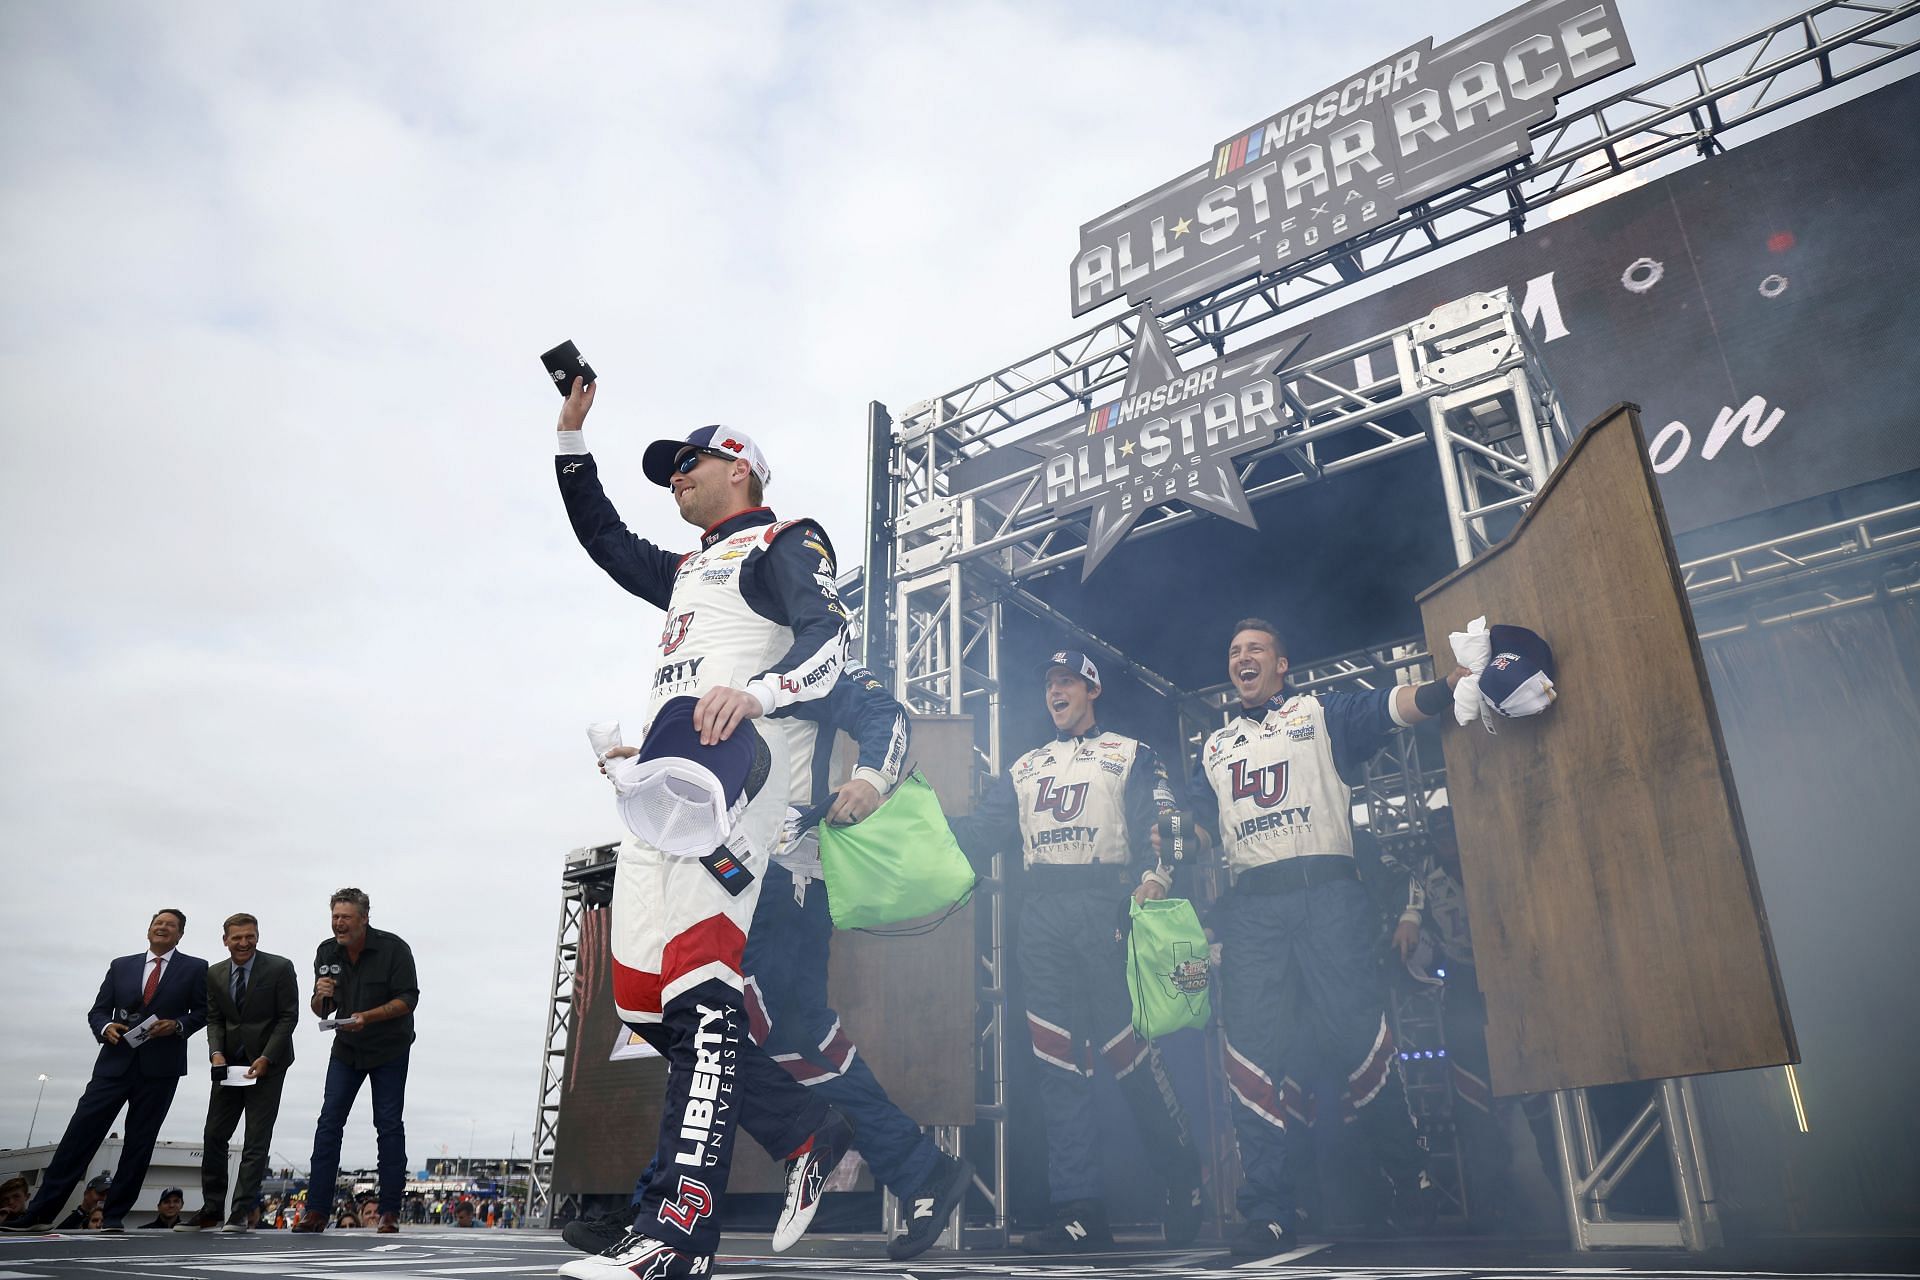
point(1618, 928)
point(909, 1002)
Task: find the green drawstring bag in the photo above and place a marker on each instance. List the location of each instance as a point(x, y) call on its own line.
point(1169, 973)
point(898, 863)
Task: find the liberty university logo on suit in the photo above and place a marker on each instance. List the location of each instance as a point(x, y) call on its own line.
point(692, 1203)
point(675, 632)
point(1064, 803)
point(1266, 787)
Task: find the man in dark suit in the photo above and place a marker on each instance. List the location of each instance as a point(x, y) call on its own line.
point(253, 1003)
point(169, 988)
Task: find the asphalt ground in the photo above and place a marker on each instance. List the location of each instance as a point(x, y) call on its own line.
point(445, 1253)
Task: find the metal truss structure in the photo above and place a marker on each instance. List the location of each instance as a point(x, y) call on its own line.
point(1835, 566)
point(1465, 380)
point(945, 560)
point(1689, 108)
point(585, 883)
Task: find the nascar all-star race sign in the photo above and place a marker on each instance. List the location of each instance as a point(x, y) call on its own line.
point(1171, 436)
point(1347, 160)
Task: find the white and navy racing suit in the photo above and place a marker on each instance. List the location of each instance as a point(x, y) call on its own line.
point(1297, 934)
point(1082, 811)
point(787, 951)
point(754, 608)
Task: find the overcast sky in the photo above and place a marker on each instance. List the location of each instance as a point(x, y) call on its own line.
point(289, 599)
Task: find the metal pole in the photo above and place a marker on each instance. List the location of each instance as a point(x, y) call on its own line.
point(36, 1107)
point(1570, 1172)
point(1686, 1180)
point(877, 574)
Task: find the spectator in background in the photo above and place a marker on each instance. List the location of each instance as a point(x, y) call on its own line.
point(90, 1199)
point(346, 1219)
point(96, 1218)
point(370, 1211)
point(13, 1198)
point(373, 994)
point(463, 1214)
point(168, 1218)
point(169, 988)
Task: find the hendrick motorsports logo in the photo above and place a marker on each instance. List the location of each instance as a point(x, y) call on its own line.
point(1171, 436)
point(1349, 159)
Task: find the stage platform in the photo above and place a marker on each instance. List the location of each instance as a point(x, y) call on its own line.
point(447, 1253)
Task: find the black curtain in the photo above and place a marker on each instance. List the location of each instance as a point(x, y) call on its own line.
point(1822, 721)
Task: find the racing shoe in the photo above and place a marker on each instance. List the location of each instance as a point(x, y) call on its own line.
point(807, 1171)
point(638, 1257)
point(1415, 1202)
point(1081, 1227)
point(1262, 1240)
point(598, 1234)
point(929, 1207)
point(1185, 1207)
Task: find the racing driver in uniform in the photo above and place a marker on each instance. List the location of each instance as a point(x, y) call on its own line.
point(1083, 809)
point(753, 625)
point(786, 990)
point(1296, 931)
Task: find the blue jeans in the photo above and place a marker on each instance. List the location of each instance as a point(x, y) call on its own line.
point(389, 1099)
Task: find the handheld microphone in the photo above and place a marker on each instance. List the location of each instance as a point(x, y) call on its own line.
point(328, 966)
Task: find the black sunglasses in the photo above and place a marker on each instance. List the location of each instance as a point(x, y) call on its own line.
point(687, 461)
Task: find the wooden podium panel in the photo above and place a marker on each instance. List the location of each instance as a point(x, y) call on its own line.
point(909, 1002)
point(1617, 922)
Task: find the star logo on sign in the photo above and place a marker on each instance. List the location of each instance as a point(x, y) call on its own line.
point(1172, 436)
point(1181, 227)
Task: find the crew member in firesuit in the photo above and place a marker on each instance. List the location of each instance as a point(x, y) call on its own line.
point(1082, 810)
point(1297, 930)
point(753, 625)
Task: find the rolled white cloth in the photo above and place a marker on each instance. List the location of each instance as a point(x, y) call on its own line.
point(1472, 649)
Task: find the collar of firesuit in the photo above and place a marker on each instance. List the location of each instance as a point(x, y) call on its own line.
point(1259, 713)
point(735, 523)
point(1061, 735)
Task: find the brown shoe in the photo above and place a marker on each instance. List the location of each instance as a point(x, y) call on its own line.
point(201, 1221)
point(309, 1222)
point(389, 1224)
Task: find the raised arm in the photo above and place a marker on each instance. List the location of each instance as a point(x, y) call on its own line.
point(630, 560)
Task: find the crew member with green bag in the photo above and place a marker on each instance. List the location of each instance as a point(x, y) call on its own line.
point(1082, 809)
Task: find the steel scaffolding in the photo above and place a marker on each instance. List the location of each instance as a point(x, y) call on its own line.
point(944, 562)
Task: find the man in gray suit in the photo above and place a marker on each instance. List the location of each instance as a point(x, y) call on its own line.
point(253, 1002)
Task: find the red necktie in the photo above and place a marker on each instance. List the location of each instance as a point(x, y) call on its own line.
point(153, 979)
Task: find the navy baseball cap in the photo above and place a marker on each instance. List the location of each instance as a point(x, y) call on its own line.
point(659, 458)
point(101, 1182)
point(1074, 661)
point(1518, 679)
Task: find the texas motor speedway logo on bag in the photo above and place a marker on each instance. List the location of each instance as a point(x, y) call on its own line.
point(1349, 159)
